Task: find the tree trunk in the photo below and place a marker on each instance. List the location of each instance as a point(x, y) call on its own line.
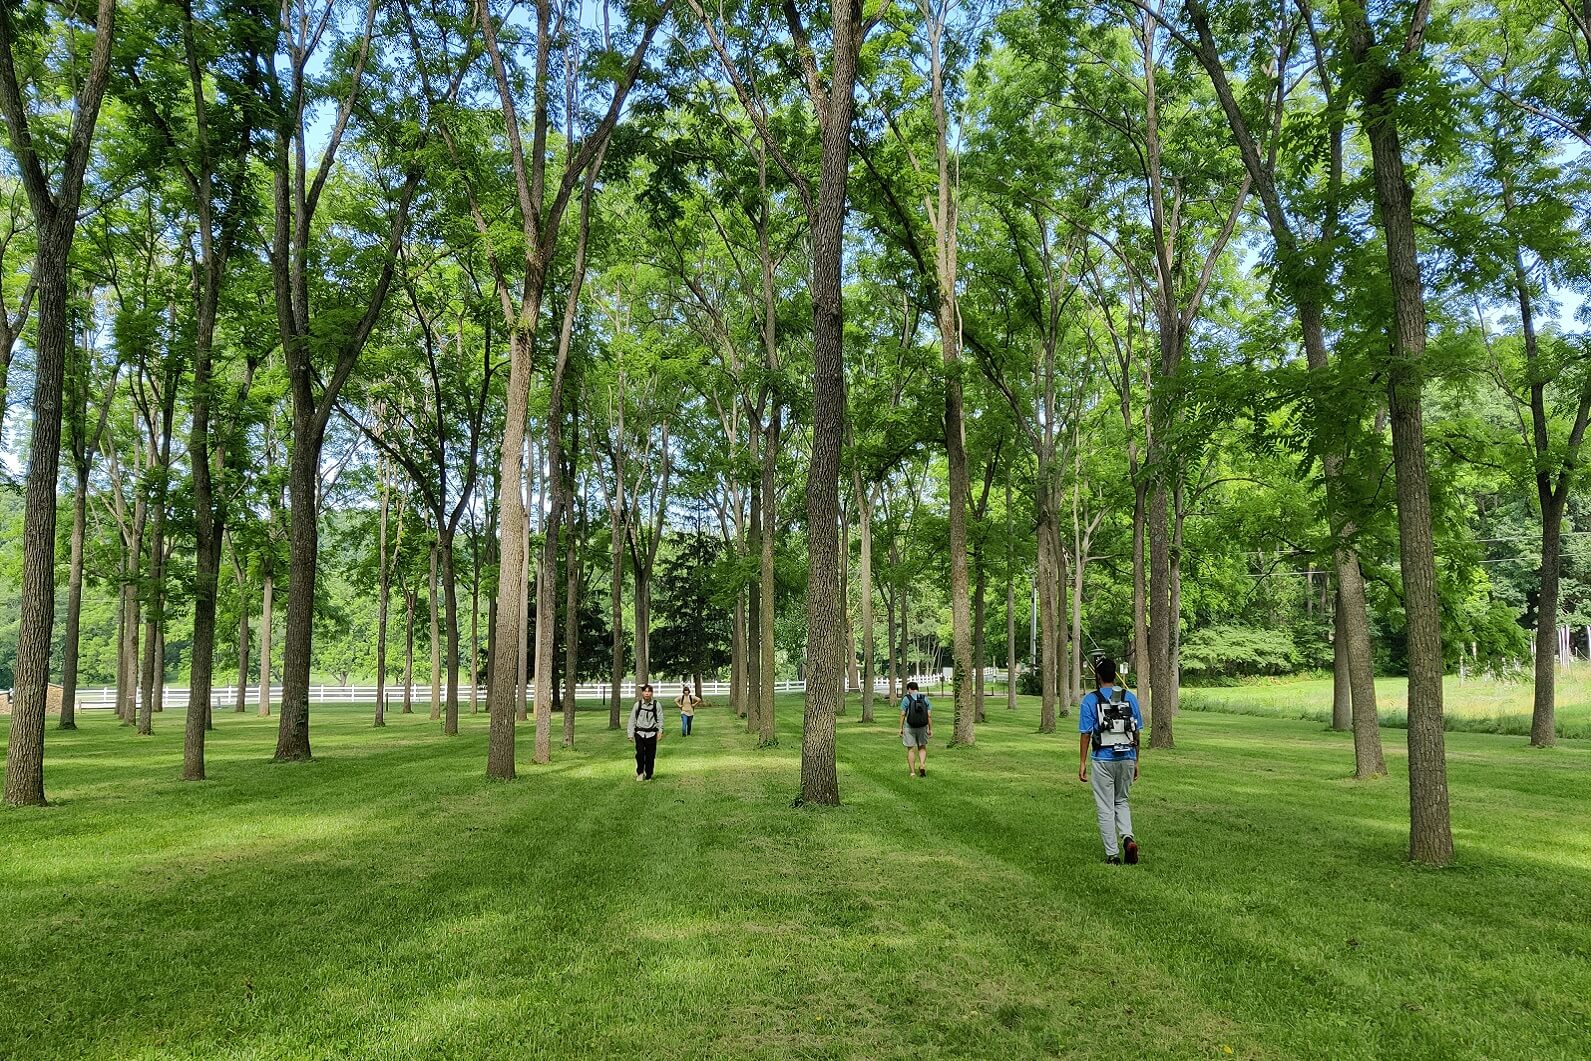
point(1010, 603)
point(74, 601)
point(1161, 677)
point(1140, 613)
point(241, 703)
point(450, 604)
point(754, 623)
point(383, 595)
point(527, 625)
point(616, 592)
point(1368, 759)
point(864, 513)
point(979, 608)
point(292, 731)
point(1341, 694)
point(1430, 830)
point(267, 608)
point(410, 603)
point(1048, 567)
point(766, 602)
point(1543, 728)
point(737, 655)
point(571, 629)
point(436, 637)
point(55, 221)
point(508, 629)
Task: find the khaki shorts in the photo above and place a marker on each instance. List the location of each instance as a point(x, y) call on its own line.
point(914, 736)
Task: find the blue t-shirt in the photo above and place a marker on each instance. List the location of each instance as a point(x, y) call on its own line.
point(1088, 718)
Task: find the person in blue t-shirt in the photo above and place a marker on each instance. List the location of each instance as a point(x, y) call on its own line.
point(1105, 731)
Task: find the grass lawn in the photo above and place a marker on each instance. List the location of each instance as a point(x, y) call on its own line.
point(385, 901)
point(1476, 704)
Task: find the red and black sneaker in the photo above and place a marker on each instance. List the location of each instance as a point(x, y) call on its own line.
point(1129, 848)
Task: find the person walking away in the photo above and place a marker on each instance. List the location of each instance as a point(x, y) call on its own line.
point(687, 702)
point(1108, 722)
point(645, 729)
point(916, 728)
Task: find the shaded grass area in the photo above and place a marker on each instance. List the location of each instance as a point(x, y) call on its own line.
point(386, 901)
point(1471, 705)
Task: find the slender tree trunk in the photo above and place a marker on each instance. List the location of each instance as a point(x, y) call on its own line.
point(450, 605)
point(383, 595)
point(766, 603)
point(1543, 727)
point(527, 627)
point(74, 601)
point(1140, 605)
point(737, 655)
point(754, 623)
point(616, 593)
point(571, 629)
point(864, 513)
point(267, 611)
point(410, 604)
point(1341, 691)
point(436, 637)
point(1010, 603)
point(1368, 759)
point(241, 704)
point(509, 629)
point(475, 636)
point(1161, 677)
point(979, 608)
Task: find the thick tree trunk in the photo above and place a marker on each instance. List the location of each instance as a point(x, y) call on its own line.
point(825, 680)
point(292, 731)
point(1048, 572)
point(643, 624)
point(74, 601)
point(24, 782)
point(267, 611)
point(511, 558)
point(1430, 830)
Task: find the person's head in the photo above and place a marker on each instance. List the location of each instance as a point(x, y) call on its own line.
point(646, 692)
point(911, 687)
point(1104, 670)
point(684, 690)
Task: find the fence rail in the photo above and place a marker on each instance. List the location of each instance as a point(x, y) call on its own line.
point(226, 696)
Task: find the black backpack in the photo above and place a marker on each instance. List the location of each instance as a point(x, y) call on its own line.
point(917, 710)
point(1114, 725)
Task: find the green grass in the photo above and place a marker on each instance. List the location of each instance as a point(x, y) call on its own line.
point(385, 901)
point(1473, 705)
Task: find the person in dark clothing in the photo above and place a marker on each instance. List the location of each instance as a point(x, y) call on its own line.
point(645, 730)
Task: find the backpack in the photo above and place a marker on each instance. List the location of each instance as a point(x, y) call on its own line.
point(917, 710)
point(643, 709)
point(1114, 725)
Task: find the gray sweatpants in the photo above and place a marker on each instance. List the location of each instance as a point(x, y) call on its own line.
point(1112, 780)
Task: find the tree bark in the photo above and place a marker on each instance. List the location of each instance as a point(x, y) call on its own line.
point(436, 636)
point(410, 601)
point(74, 601)
point(1379, 78)
point(1048, 565)
point(616, 594)
point(450, 615)
point(383, 596)
point(267, 609)
point(1341, 694)
point(1162, 676)
point(864, 511)
point(766, 602)
point(55, 222)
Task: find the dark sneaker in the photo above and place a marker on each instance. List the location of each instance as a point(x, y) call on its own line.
point(1129, 848)
point(1112, 860)
point(922, 771)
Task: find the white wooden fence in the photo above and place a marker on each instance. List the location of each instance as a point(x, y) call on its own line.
point(226, 696)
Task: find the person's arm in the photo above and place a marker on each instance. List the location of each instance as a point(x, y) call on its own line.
point(629, 730)
point(1086, 721)
point(1082, 756)
point(1137, 745)
point(902, 732)
point(930, 727)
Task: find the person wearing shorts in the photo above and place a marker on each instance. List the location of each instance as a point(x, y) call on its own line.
point(916, 737)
